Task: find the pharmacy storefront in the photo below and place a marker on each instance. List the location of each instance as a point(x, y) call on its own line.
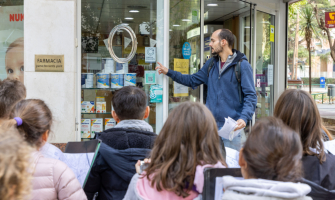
point(100, 46)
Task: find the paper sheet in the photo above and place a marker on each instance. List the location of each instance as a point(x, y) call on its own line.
point(79, 163)
point(330, 146)
point(227, 130)
point(232, 157)
point(218, 188)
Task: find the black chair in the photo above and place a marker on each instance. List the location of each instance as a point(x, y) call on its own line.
point(318, 192)
point(210, 175)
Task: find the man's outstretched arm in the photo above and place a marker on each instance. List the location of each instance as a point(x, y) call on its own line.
point(193, 80)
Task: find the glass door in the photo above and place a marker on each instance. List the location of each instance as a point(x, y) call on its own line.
point(184, 55)
point(265, 44)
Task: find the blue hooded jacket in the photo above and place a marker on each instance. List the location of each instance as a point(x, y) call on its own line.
point(222, 96)
point(114, 165)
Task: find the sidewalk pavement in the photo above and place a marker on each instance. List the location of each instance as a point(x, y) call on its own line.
point(327, 110)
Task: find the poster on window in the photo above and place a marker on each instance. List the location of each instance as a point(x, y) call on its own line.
point(182, 66)
point(11, 43)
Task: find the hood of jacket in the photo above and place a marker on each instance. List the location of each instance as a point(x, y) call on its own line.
point(135, 124)
point(124, 138)
point(145, 191)
point(237, 57)
point(120, 160)
point(268, 188)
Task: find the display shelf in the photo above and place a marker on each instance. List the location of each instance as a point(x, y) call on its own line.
point(96, 113)
point(100, 89)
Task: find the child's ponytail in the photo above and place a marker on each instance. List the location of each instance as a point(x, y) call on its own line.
point(32, 118)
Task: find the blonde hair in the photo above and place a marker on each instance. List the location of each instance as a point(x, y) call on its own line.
point(15, 176)
point(19, 42)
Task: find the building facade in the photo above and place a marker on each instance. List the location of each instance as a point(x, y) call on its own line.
point(173, 32)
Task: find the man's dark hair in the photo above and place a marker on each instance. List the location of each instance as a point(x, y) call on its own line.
point(228, 36)
point(11, 91)
point(130, 103)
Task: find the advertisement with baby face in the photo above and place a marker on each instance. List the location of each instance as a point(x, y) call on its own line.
point(11, 42)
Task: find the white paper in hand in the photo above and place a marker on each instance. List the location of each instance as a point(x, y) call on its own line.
point(227, 130)
point(330, 146)
point(232, 157)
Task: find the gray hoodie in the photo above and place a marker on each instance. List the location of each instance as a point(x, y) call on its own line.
point(261, 189)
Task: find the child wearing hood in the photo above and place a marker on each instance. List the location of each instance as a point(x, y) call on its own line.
point(187, 143)
point(270, 164)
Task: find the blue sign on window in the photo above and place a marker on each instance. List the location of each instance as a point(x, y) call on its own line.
point(187, 50)
point(322, 82)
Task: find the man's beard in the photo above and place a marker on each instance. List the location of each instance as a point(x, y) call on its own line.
point(216, 52)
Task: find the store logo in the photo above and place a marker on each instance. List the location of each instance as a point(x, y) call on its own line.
point(16, 17)
point(331, 16)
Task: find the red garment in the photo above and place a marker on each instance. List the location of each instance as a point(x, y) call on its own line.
point(222, 63)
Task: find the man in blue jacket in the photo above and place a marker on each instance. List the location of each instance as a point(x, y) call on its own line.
point(223, 97)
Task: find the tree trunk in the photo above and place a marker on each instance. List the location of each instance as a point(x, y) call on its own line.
point(310, 70)
point(295, 50)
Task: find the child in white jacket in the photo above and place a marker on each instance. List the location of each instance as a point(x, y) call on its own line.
point(270, 164)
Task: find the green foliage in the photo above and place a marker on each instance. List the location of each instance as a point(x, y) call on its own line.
point(325, 57)
point(302, 53)
point(295, 7)
point(317, 80)
point(309, 26)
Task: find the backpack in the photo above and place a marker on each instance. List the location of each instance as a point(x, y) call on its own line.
point(237, 69)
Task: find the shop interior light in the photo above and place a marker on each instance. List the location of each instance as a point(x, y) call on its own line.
point(265, 22)
point(186, 20)
point(247, 27)
point(212, 4)
point(170, 29)
point(176, 25)
point(134, 11)
point(129, 18)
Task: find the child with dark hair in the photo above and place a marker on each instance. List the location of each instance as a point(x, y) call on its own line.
point(187, 144)
point(298, 110)
point(11, 91)
point(52, 179)
point(270, 164)
point(130, 140)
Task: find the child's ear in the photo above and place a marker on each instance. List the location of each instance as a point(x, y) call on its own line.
point(45, 136)
point(241, 160)
point(147, 112)
point(116, 118)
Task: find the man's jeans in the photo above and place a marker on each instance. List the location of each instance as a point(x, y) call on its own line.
point(237, 142)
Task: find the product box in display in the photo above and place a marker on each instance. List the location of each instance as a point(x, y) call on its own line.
point(96, 126)
point(109, 123)
point(100, 99)
point(103, 80)
point(85, 128)
point(87, 107)
point(101, 107)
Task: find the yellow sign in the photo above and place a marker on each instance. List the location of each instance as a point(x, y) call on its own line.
point(182, 66)
point(331, 16)
point(49, 63)
point(272, 33)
